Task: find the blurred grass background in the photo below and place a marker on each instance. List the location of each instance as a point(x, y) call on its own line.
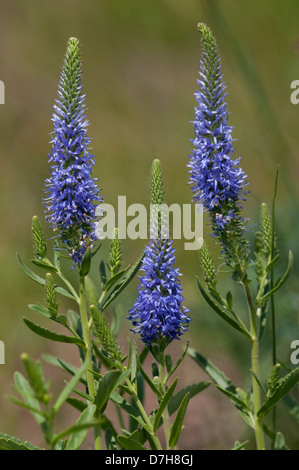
point(140, 63)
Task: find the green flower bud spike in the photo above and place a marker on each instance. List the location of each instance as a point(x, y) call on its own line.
point(115, 255)
point(207, 264)
point(105, 336)
point(38, 237)
point(51, 294)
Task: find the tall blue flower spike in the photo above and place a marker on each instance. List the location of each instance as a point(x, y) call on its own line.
point(72, 191)
point(216, 179)
point(158, 312)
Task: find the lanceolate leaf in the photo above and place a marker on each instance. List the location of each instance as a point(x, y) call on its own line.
point(77, 437)
point(30, 273)
point(45, 333)
point(128, 443)
point(223, 383)
point(164, 403)
point(45, 264)
point(222, 313)
point(128, 408)
point(109, 382)
point(48, 314)
point(23, 388)
point(178, 422)
point(110, 283)
point(70, 386)
point(177, 362)
point(120, 287)
point(12, 443)
point(193, 390)
point(42, 281)
point(148, 380)
point(280, 282)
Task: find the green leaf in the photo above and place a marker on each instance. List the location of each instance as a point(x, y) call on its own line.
point(110, 283)
point(62, 291)
point(121, 286)
point(23, 388)
point(193, 390)
point(56, 259)
point(103, 274)
point(280, 443)
point(222, 313)
point(229, 300)
point(272, 263)
point(223, 384)
point(42, 281)
point(239, 445)
point(30, 273)
point(168, 363)
point(76, 403)
point(45, 333)
point(131, 409)
point(63, 365)
point(109, 382)
point(48, 313)
point(134, 363)
point(76, 428)
point(12, 443)
point(69, 388)
point(178, 422)
point(178, 362)
point(45, 264)
point(128, 443)
point(216, 375)
point(85, 263)
point(163, 404)
point(77, 436)
point(280, 282)
point(148, 380)
point(283, 386)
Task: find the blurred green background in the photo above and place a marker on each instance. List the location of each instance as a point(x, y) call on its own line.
point(140, 62)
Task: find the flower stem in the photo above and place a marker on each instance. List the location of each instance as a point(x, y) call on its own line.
point(86, 338)
point(254, 367)
point(144, 414)
point(165, 414)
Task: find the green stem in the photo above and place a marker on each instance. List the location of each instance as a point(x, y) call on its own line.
point(86, 338)
point(255, 367)
point(144, 414)
point(272, 297)
point(165, 414)
point(69, 285)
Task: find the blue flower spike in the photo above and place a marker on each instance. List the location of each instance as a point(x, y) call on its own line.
point(158, 314)
point(216, 179)
point(71, 189)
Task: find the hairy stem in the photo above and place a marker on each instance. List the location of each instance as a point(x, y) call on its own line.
point(144, 414)
point(165, 414)
point(86, 338)
point(255, 367)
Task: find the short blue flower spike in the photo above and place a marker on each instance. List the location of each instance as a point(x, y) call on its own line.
point(158, 312)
